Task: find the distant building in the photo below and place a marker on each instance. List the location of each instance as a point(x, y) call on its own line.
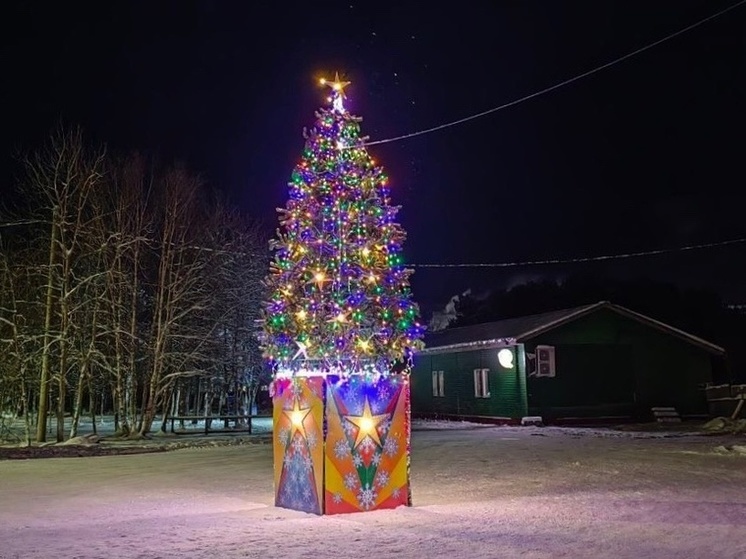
point(595, 361)
point(739, 308)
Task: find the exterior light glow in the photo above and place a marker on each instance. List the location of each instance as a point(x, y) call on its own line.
point(505, 358)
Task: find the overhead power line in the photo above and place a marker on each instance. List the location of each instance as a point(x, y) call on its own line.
point(560, 84)
point(582, 259)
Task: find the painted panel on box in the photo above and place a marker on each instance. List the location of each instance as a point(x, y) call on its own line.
point(298, 414)
point(367, 444)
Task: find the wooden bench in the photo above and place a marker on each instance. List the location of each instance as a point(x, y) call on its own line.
point(666, 415)
point(222, 417)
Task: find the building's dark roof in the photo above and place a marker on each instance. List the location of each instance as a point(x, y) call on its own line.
point(520, 329)
point(509, 329)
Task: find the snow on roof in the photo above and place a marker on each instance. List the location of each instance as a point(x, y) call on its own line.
point(520, 329)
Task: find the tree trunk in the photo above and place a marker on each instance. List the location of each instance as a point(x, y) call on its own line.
point(166, 410)
point(77, 408)
point(208, 411)
point(92, 405)
point(27, 412)
point(121, 423)
point(61, 395)
point(41, 418)
point(130, 381)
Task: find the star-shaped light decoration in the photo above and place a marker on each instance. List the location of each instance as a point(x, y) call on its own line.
point(364, 345)
point(296, 416)
point(339, 318)
point(302, 350)
point(319, 278)
point(367, 425)
point(338, 92)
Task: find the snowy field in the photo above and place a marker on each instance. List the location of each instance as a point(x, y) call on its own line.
point(479, 492)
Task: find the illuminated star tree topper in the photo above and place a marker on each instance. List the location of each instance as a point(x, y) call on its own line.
point(339, 296)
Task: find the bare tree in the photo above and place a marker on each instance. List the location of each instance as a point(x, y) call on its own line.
point(121, 230)
point(16, 345)
point(178, 332)
point(61, 177)
point(241, 247)
point(134, 292)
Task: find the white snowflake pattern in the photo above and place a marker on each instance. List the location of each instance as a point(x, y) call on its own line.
point(341, 449)
point(351, 481)
point(366, 497)
point(296, 390)
point(382, 478)
point(395, 493)
point(384, 392)
point(384, 426)
point(298, 445)
point(357, 460)
point(376, 458)
point(349, 428)
point(354, 403)
point(391, 447)
point(337, 498)
point(367, 444)
point(283, 436)
point(296, 476)
point(311, 439)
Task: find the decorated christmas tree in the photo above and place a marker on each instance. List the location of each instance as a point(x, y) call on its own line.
point(340, 300)
point(340, 328)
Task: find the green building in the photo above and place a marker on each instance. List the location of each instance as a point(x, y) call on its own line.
point(595, 361)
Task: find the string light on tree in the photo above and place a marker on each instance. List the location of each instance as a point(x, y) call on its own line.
point(340, 301)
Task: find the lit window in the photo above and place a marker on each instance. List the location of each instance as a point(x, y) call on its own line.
point(438, 384)
point(481, 383)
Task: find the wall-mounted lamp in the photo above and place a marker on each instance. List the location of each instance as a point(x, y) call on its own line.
point(505, 358)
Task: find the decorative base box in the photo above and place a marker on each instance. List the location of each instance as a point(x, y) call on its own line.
point(341, 445)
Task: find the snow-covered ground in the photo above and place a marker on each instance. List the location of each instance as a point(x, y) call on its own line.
point(479, 492)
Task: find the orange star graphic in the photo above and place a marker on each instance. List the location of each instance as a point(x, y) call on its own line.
point(297, 416)
point(367, 425)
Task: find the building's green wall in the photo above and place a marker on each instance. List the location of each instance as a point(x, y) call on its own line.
point(608, 364)
point(506, 386)
point(591, 380)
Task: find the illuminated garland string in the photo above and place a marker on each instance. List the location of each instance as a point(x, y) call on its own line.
point(551, 261)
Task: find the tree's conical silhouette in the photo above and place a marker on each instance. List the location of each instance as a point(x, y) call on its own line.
point(339, 295)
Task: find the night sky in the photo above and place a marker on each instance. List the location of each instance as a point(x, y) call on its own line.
point(644, 155)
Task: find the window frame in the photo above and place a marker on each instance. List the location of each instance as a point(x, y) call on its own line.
point(551, 361)
point(482, 383)
point(438, 384)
